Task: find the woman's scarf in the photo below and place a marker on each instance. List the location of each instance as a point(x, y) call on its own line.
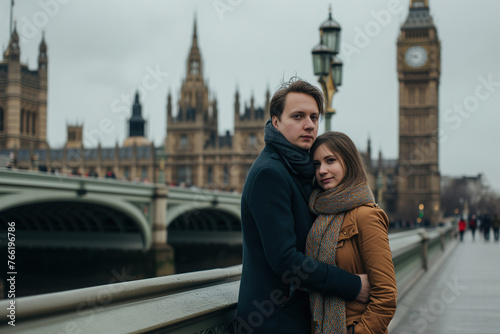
point(328, 312)
point(296, 160)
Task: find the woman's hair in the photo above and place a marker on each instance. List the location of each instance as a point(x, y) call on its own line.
point(354, 167)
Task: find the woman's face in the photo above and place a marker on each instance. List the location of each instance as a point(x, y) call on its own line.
point(329, 167)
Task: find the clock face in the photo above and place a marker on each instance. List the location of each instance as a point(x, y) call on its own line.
point(416, 56)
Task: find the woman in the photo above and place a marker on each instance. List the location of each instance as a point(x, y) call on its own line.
point(350, 232)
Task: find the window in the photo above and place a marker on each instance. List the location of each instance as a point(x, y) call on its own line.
point(33, 124)
point(226, 175)
point(210, 175)
point(411, 182)
point(184, 142)
point(28, 122)
point(411, 123)
point(1, 120)
point(184, 174)
point(252, 140)
point(411, 95)
point(21, 125)
point(144, 173)
point(421, 95)
point(126, 173)
point(422, 181)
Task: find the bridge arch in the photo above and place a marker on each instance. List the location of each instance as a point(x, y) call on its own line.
point(205, 237)
point(207, 224)
point(184, 210)
point(78, 222)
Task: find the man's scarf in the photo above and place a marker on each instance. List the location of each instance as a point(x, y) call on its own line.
point(328, 312)
point(297, 160)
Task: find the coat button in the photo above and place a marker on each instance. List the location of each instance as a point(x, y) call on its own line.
point(345, 232)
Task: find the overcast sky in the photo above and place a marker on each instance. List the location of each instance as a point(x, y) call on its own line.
point(100, 52)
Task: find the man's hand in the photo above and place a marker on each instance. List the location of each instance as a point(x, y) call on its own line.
point(364, 294)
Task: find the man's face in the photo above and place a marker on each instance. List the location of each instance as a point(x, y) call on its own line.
point(299, 120)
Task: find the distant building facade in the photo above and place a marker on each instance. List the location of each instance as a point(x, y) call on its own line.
point(193, 154)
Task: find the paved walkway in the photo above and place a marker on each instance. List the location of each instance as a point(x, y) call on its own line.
point(462, 296)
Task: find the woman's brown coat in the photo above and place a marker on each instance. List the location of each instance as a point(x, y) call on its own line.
point(363, 248)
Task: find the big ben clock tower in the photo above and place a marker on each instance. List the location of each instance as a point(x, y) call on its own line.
point(419, 69)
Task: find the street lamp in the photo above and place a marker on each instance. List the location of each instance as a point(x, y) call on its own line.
point(161, 154)
point(326, 65)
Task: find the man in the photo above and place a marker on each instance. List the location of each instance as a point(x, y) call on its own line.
point(276, 221)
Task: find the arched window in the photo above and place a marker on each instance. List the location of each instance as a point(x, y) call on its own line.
point(184, 142)
point(28, 122)
point(210, 175)
point(252, 139)
point(226, 175)
point(1, 120)
point(21, 124)
point(33, 124)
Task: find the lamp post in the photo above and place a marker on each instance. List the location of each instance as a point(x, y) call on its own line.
point(162, 155)
point(326, 64)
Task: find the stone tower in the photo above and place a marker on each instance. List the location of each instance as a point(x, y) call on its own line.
point(419, 68)
point(23, 99)
point(248, 133)
point(193, 131)
point(75, 136)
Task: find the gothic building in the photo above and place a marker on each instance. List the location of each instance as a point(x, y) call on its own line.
point(196, 153)
point(23, 99)
point(193, 154)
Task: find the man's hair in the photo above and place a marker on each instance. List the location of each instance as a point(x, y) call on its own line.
point(295, 85)
point(350, 159)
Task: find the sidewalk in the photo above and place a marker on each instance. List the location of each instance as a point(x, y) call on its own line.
point(463, 296)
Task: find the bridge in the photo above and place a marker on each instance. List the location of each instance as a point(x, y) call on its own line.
point(444, 286)
point(205, 301)
point(86, 213)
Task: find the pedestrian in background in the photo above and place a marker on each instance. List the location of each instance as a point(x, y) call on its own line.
point(495, 223)
point(462, 225)
point(486, 226)
point(473, 226)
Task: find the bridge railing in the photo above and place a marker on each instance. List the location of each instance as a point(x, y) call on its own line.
point(199, 302)
point(414, 252)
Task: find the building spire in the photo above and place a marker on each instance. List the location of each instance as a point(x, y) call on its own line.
point(136, 122)
point(13, 51)
point(43, 46)
point(42, 53)
point(194, 44)
point(11, 16)
point(194, 63)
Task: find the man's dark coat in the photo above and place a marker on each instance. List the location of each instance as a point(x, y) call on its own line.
point(275, 222)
